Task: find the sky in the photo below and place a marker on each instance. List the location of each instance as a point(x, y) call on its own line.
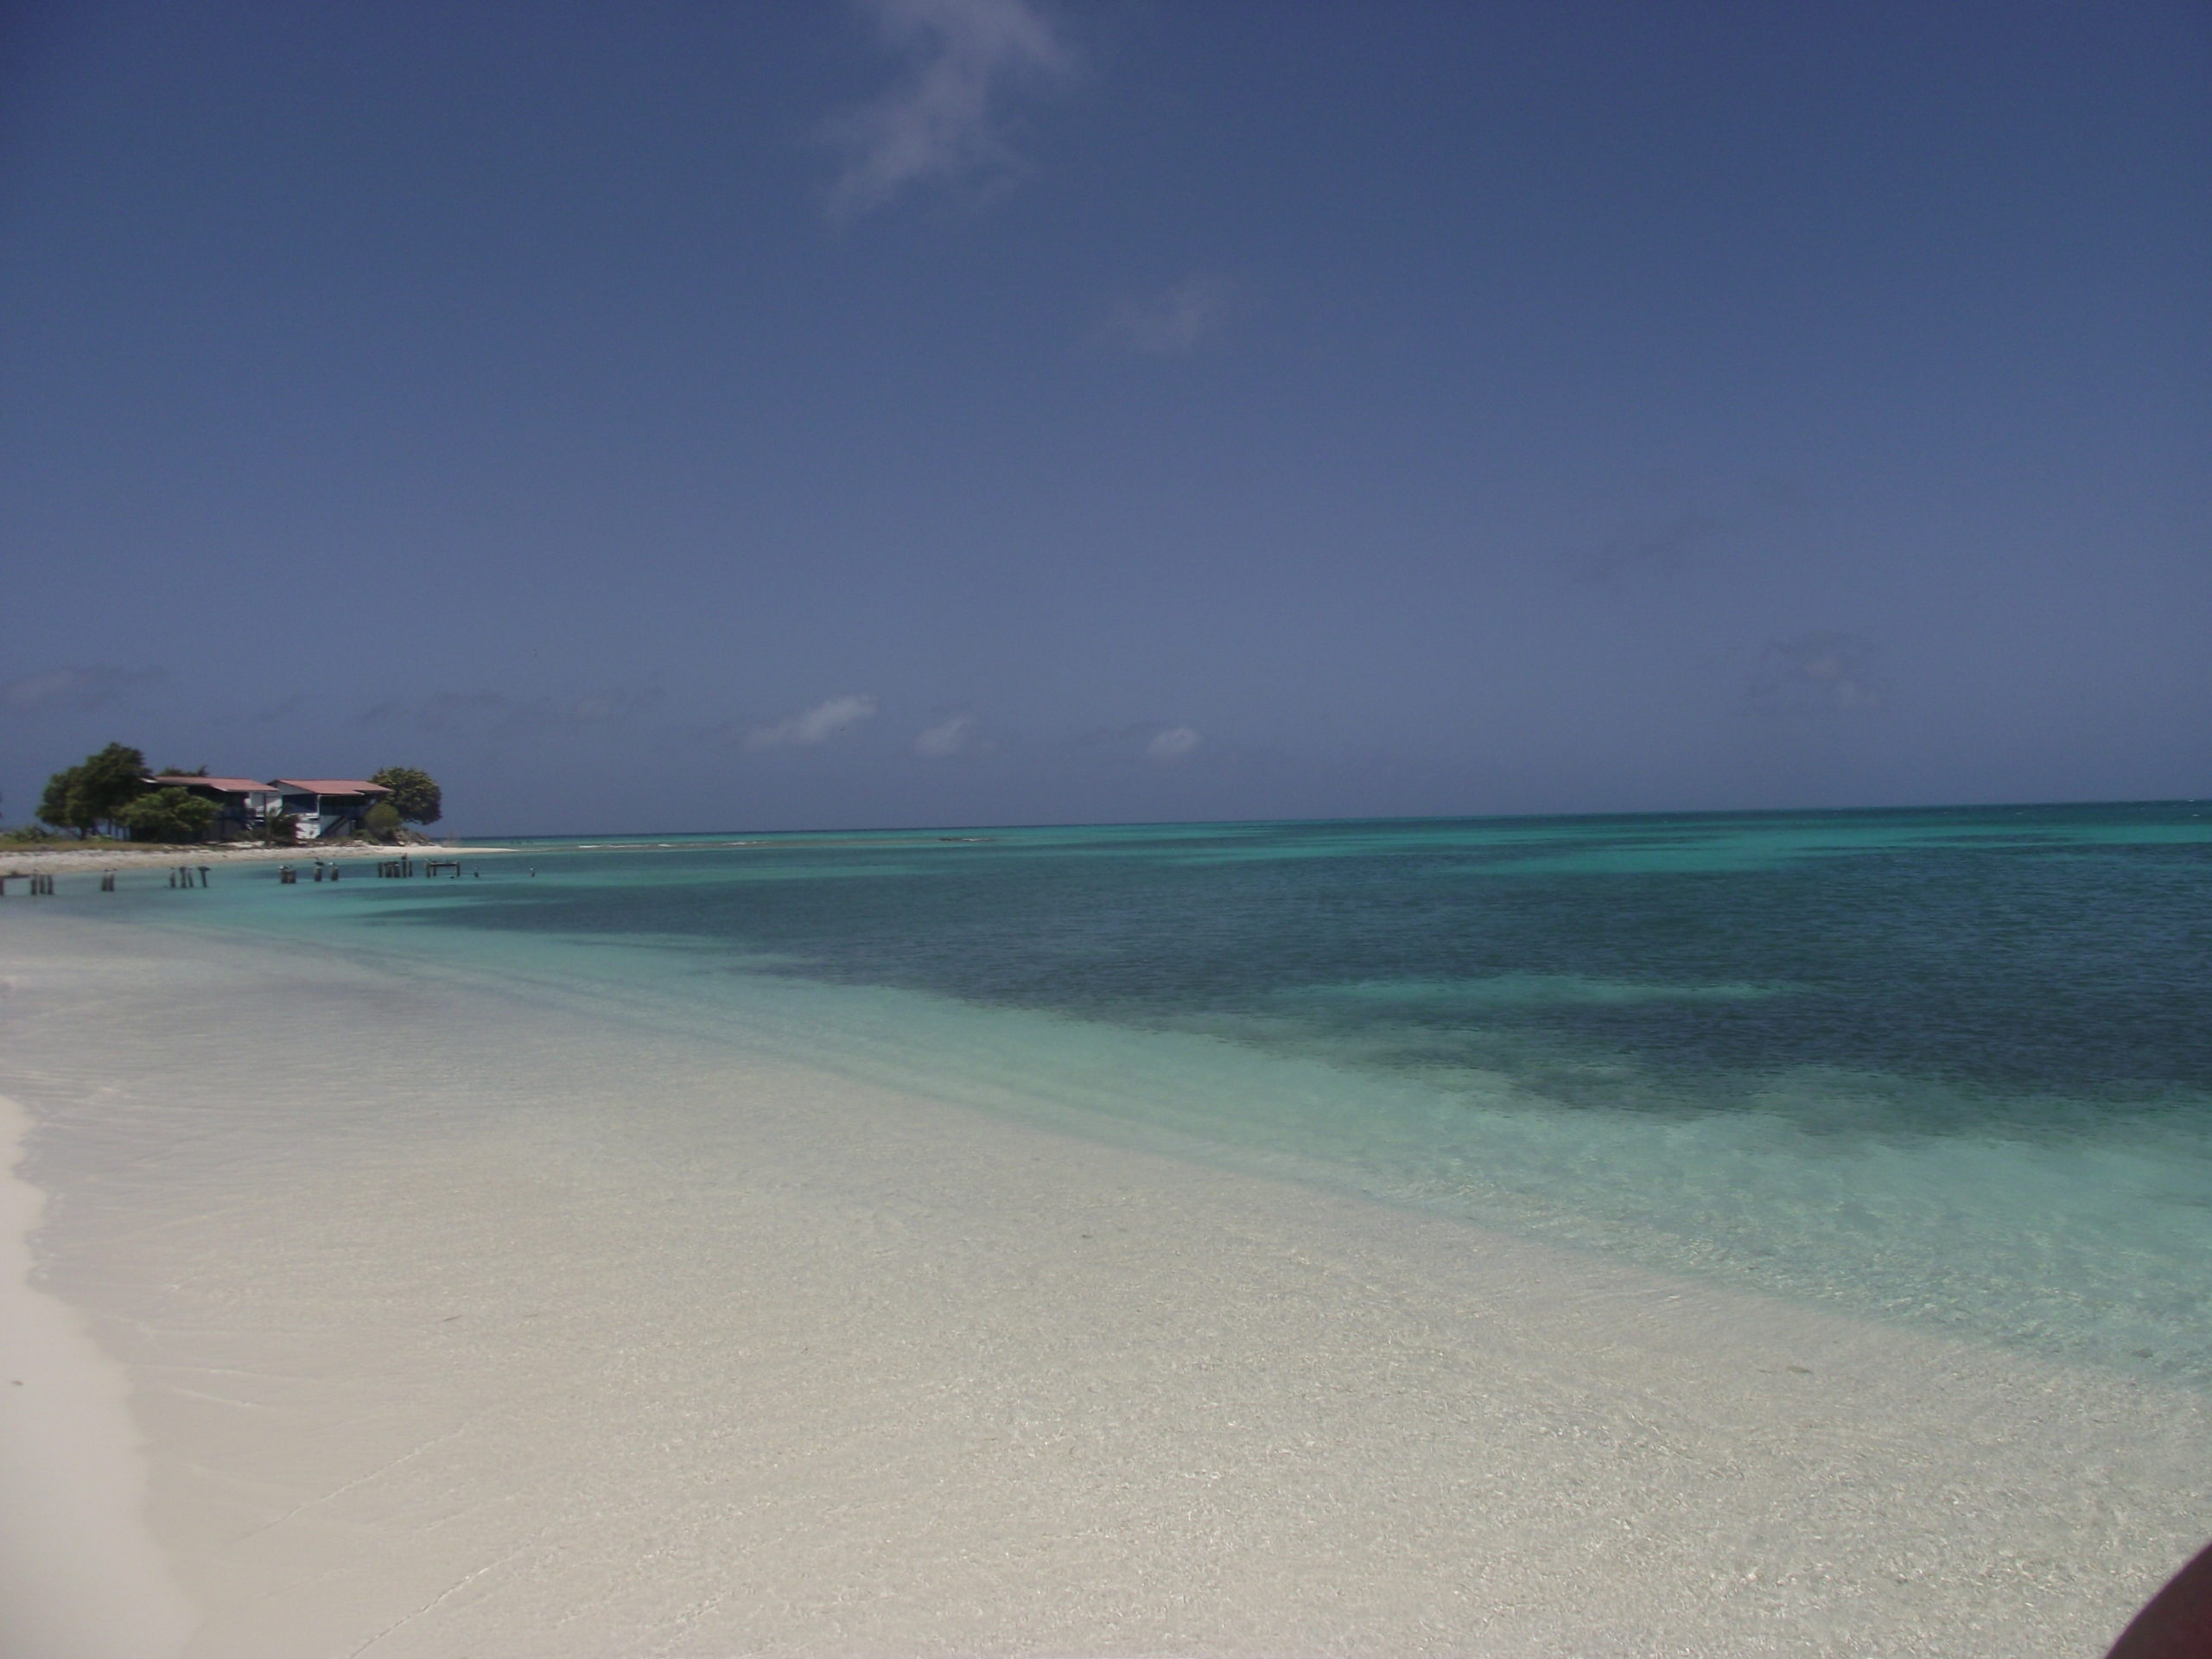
point(869, 412)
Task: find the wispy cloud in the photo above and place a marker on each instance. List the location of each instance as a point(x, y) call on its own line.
point(494, 712)
point(1170, 324)
point(75, 690)
point(1176, 744)
point(961, 735)
point(1656, 549)
point(1818, 674)
point(945, 121)
point(1152, 741)
point(610, 704)
point(442, 711)
point(816, 725)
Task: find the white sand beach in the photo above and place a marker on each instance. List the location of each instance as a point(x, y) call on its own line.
point(456, 1324)
point(80, 1575)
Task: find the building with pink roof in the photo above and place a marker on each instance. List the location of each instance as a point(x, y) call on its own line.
point(321, 807)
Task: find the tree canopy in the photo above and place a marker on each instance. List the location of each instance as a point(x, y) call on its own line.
point(94, 791)
point(170, 814)
point(414, 795)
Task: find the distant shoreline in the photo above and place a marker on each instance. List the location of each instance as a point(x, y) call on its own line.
point(64, 857)
point(41, 861)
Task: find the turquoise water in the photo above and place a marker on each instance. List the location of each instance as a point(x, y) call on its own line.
point(1948, 1068)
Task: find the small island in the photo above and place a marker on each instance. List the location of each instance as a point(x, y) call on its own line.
point(112, 803)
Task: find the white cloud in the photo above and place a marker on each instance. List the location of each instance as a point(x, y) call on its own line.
point(1176, 743)
point(955, 737)
point(816, 725)
point(1170, 324)
point(1818, 674)
point(941, 123)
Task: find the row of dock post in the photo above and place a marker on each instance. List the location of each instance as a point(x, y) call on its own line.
point(403, 866)
point(195, 875)
point(184, 875)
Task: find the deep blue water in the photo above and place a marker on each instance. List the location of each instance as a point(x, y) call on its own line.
point(2031, 964)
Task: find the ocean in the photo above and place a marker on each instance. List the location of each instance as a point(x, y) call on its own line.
point(1949, 1069)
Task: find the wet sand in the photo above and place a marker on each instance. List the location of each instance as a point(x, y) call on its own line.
point(458, 1323)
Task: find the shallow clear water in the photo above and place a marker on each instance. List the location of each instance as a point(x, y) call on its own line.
point(1947, 1067)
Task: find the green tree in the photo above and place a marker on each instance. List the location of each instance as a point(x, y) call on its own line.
point(281, 829)
point(381, 822)
point(59, 806)
point(167, 814)
point(94, 790)
point(414, 795)
point(111, 779)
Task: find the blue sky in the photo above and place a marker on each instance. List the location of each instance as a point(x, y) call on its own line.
point(955, 412)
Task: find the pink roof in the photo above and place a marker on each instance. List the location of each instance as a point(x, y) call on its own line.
point(329, 786)
point(229, 786)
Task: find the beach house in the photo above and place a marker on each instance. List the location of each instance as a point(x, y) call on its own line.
point(326, 806)
point(242, 804)
point(321, 807)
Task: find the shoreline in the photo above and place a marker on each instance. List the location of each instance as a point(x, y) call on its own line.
point(81, 1576)
point(581, 1336)
point(42, 861)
